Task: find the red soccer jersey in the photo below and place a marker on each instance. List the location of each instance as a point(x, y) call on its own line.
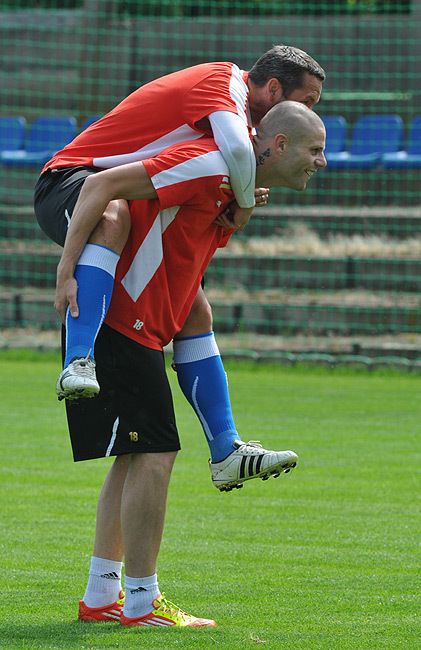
point(157, 115)
point(172, 240)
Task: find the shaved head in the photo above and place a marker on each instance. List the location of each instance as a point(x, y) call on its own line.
point(289, 146)
point(290, 118)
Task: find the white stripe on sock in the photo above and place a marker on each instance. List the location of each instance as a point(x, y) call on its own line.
point(100, 257)
point(195, 349)
point(205, 425)
point(103, 314)
point(67, 328)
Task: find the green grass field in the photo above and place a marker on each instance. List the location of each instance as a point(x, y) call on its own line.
point(325, 557)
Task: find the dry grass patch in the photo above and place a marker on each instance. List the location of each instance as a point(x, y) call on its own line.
point(299, 240)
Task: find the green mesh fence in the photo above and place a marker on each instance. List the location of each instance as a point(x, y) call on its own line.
point(333, 270)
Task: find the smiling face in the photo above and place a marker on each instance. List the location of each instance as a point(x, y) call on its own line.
point(289, 146)
point(301, 158)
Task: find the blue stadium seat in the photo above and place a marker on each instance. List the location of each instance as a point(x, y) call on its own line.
point(411, 157)
point(12, 133)
point(336, 127)
point(372, 136)
point(45, 136)
point(89, 121)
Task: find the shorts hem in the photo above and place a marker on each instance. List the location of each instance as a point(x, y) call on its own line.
point(126, 453)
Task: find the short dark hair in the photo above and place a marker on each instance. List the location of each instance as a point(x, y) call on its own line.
point(287, 64)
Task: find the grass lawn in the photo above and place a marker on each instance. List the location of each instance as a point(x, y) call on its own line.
point(325, 557)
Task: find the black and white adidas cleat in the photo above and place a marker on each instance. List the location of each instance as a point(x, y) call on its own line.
point(250, 460)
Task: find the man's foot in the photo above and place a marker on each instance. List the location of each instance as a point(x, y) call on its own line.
point(111, 612)
point(248, 461)
point(78, 380)
point(166, 614)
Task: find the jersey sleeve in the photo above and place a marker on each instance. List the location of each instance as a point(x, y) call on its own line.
point(232, 137)
point(223, 89)
point(182, 177)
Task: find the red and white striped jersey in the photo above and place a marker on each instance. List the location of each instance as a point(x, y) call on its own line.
point(171, 242)
point(161, 113)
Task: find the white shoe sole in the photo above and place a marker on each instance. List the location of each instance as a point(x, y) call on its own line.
point(78, 393)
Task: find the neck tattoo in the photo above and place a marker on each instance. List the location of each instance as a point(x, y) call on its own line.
point(262, 157)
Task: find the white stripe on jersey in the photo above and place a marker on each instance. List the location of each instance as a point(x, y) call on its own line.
point(208, 164)
point(239, 92)
point(149, 255)
point(150, 150)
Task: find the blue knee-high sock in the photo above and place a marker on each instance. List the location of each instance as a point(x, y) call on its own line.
point(203, 380)
point(94, 274)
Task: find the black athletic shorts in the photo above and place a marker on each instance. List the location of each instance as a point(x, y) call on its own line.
point(55, 196)
point(133, 412)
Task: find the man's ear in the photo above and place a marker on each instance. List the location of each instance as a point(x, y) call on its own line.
point(275, 91)
point(281, 141)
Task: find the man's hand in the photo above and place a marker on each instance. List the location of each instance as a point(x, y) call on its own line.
point(66, 294)
point(261, 194)
point(236, 218)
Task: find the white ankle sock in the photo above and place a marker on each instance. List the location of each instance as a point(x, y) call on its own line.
point(140, 592)
point(104, 582)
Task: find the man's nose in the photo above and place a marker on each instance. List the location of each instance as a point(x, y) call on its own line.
point(321, 161)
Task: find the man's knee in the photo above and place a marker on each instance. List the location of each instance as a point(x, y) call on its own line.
point(165, 464)
point(114, 228)
point(157, 466)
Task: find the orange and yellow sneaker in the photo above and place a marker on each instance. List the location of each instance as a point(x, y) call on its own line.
point(111, 612)
point(166, 614)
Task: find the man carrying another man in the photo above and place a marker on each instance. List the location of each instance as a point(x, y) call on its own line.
point(213, 98)
point(175, 198)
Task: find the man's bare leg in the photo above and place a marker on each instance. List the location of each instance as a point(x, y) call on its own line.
point(104, 582)
point(200, 319)
point(143, 507)
point(108, 536)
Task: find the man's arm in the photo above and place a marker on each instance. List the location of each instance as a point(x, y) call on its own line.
point(125, 182)
point(232, 137)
